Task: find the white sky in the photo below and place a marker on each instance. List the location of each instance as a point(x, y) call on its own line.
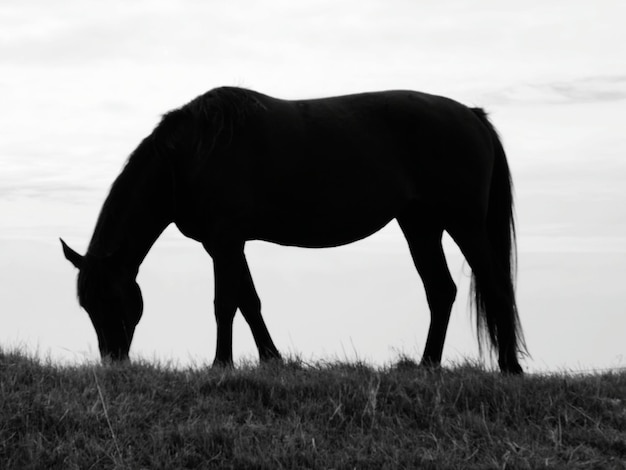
point(82, 82)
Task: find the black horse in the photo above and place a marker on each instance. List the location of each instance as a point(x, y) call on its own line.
point(235, 165)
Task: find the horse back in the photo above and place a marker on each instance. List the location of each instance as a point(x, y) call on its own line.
point(416, 143)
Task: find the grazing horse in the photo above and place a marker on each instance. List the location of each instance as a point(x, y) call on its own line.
point(234, 165)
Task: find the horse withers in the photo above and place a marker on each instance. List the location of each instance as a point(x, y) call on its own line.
point(234, 165)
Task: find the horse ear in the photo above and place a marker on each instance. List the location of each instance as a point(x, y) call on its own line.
point(71, 255)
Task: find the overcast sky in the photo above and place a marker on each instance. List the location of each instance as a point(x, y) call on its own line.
point(81, 83)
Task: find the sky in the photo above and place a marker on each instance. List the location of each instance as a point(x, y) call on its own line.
point(81, 83)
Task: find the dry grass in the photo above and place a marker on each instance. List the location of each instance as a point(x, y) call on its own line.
point(297, 415)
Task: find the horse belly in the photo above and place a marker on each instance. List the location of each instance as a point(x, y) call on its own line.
point(319, 232)
point(313, 216)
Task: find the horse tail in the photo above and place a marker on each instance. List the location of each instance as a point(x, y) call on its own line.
point(502, 327)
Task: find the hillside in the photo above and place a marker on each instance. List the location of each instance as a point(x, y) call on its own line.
point(299, 415)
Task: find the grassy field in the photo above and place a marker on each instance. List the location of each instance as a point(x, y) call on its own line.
point(298, 415)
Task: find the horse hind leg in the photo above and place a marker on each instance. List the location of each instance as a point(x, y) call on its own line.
point(424, 239)
point(494, 296)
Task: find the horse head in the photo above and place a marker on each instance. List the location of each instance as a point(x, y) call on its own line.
point(107, 290)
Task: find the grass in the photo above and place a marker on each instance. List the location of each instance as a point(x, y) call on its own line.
point(297, 415)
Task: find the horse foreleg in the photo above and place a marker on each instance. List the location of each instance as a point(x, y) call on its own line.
point(250, 306)
point(229, 268)
point(226, 275)
point(425, 246)
point(234, 289)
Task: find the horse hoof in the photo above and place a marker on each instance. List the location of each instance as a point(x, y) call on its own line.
point(221, 364)
point(429, 365)
point(268, 355)
point(511, 369)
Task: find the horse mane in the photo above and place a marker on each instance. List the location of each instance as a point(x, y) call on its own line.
point(196, 129)
point(213, 118)
point(103, 242)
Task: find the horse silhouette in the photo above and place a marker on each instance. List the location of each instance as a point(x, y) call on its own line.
point(235, 165)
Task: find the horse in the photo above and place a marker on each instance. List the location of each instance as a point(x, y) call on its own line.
point(234, 165)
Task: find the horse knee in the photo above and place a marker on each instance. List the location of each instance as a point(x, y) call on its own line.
point(224, 308)
point(450, 291)
point(442, 297)
point(250, 303)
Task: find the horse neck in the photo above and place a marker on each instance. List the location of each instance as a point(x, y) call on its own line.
point(135, 213)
